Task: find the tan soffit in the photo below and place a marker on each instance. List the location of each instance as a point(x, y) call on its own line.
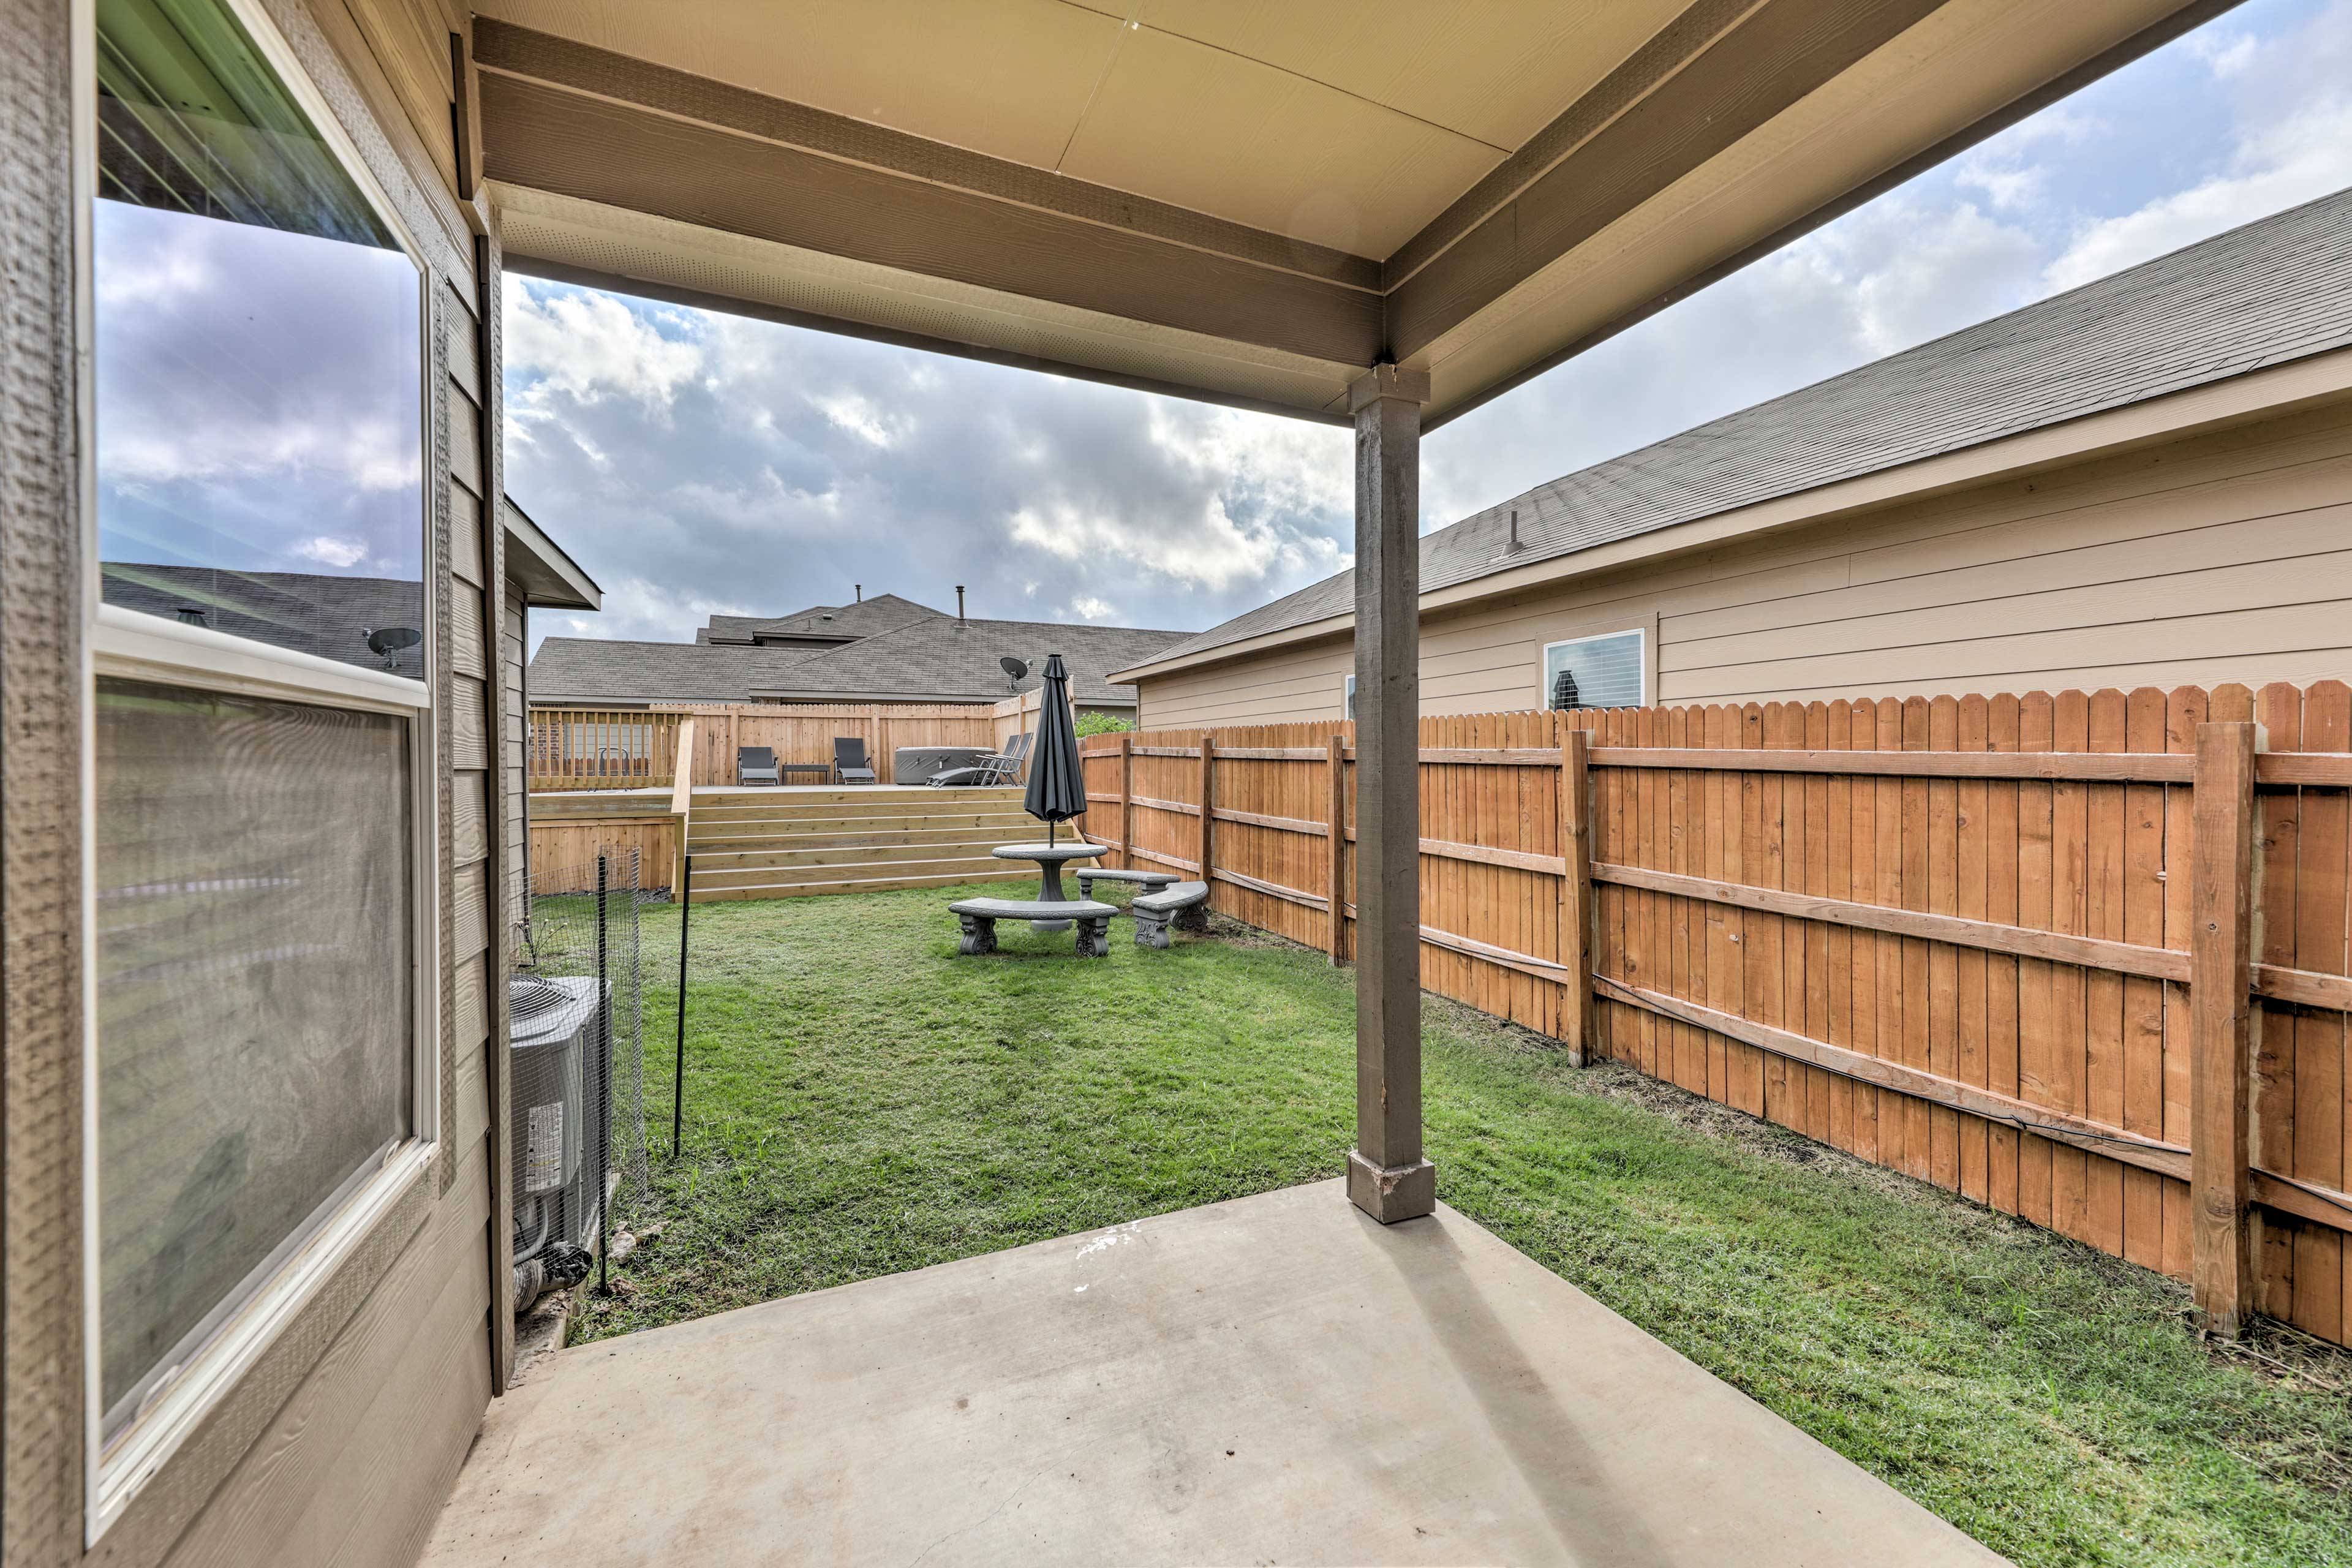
point(1186, 123)
point(1960, 64)
point(1435, 60)
point(1008, 77)
point(664, 258)
point(1205, 193)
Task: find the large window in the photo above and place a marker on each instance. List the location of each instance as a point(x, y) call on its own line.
point(1604, 671)
point(261, 972)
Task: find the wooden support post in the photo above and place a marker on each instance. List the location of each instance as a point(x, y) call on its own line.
point(1576, 1013)
point(1127, 801)
point(2221, 943)
point(1208, 800)
point(1387, 1176)
point(1339, 842)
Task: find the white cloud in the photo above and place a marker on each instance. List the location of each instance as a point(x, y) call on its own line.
point(1093, 609)
point(1214, 551)
point(2291, 142)
point(342, 554)
point(2305, 156)
point(588, 346)
point(862, 418)
point(642, 610)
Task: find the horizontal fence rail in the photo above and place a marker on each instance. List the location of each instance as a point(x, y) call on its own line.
point(1957, 937)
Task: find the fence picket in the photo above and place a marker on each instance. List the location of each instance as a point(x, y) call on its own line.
point(1975, 1040)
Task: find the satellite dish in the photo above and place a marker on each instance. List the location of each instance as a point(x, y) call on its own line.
point(1014, 667)
point(391, 640)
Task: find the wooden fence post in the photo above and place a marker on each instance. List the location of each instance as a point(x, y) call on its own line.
point(1208, 782)
point(1576, 895)
point(2221, 905)
point(1339, 754)
point(1127, 801)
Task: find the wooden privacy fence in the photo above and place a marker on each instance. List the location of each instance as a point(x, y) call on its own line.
point(584, 748)
point(1993, 942)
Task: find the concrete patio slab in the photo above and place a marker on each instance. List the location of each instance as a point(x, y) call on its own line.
point(1277, 1379)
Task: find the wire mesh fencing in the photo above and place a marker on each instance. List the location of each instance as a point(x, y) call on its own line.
point(575, 1003)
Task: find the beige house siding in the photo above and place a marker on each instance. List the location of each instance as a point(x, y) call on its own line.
point(512, 759)
point(2224, 557)
point(341, 1444)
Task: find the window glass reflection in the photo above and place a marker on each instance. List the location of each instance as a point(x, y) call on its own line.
point(260, 438)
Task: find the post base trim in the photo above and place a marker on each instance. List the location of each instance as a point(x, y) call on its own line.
point(1391, 1193)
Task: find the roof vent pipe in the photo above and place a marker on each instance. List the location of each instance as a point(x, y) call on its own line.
point(959, 604)
point(861, 592)
point(1515, 527)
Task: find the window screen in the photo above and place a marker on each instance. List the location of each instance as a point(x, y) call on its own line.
point(1596, 672)
point(254, 998)
point(260, 353)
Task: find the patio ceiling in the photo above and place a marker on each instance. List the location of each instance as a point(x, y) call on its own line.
point(1224, 198)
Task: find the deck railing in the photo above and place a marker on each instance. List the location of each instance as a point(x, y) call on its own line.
point(591, 748)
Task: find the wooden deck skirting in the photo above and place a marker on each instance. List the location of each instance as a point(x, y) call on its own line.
point(1959, 948)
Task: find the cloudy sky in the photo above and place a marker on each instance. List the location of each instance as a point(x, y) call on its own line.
point(698, 463)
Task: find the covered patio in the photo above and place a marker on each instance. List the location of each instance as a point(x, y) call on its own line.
point(1375, 216)
point(1277, 1379)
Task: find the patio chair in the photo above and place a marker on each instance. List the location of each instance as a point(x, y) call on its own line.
point(757, 764)
point(849, 763)
point(1000, 768)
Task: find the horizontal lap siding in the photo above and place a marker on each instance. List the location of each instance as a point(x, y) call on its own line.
point(354, 1467)
point(2228, 557)
point(2081, 858)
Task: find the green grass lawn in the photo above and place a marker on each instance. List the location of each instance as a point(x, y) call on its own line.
point(860, 1101)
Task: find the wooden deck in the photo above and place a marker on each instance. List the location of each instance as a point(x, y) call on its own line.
point(795, 841)
point(786, 841)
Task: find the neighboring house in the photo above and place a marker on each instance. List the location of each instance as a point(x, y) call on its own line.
point(820, 628)
point(2147, 481)
point(539, 575)
point(926, 657)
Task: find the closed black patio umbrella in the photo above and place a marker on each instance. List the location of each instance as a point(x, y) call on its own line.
point(1057, 789)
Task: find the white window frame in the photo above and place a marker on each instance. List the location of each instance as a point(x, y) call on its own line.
point(1646, 629)
point(1348, 698)
point(125, 643)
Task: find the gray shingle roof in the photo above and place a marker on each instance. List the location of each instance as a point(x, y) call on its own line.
point(309, 612)
point(594, 670)
point(2273, 291)
point(942, 658)
point(934, 659)
point(881, 613)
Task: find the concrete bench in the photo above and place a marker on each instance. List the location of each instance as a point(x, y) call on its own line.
point(1144, 881)
point(1186, 905)
point(980, 917)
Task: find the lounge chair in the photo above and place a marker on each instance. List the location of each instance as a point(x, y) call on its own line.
point(757, 764)
point(849, 763)
point(1000, 768)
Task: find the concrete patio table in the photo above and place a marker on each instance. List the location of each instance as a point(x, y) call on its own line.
point(1050, 859)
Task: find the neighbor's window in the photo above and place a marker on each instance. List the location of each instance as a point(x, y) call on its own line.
point(1604, 671)
point(259, 333)
point(1352, 699)
point(260, 713)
